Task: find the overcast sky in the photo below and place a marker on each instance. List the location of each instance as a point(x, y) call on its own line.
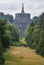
point(34, 7)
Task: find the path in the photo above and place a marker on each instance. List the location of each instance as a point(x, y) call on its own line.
point(25, 56)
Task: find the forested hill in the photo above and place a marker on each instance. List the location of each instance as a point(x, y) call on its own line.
point(8, 17)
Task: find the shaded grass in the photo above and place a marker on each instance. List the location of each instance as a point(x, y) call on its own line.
point(23, 56)
point(11, 59)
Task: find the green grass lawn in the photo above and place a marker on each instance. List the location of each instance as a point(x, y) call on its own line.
point(23, 56)
point(11, 60)
point(22, 40)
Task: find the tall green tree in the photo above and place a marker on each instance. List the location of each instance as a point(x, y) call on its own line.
point(2, 60)
point(3, 36)
point(35, 35)
point(29, 38)
point(14, 33)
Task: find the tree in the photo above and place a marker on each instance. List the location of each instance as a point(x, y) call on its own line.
point(3, 36)
point(40, 46)
point(2, 60)
point(14, 33)
point(8, 33)
point(9, 18)
point(29, 34)
point(35, 35)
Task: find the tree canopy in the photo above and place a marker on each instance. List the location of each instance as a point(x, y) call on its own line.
point(35, 35)
point(8, 33)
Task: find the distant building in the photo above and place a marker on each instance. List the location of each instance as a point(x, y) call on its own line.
point(22, 20)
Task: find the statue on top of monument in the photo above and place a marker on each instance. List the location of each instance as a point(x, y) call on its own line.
point(22, 21)
point(22, 9)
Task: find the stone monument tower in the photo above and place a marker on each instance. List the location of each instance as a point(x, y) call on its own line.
point(22, 20)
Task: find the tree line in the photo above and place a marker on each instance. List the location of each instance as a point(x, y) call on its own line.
point(7, 16)
point(8, 35)
point(35, 35)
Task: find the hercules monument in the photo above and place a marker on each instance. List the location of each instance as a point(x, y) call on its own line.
point(22, 20)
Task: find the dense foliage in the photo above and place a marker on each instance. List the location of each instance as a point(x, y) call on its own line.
point(8, 17)
point(8, 34)
point(2, 60)
point(35, 35)
point(13, 33)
